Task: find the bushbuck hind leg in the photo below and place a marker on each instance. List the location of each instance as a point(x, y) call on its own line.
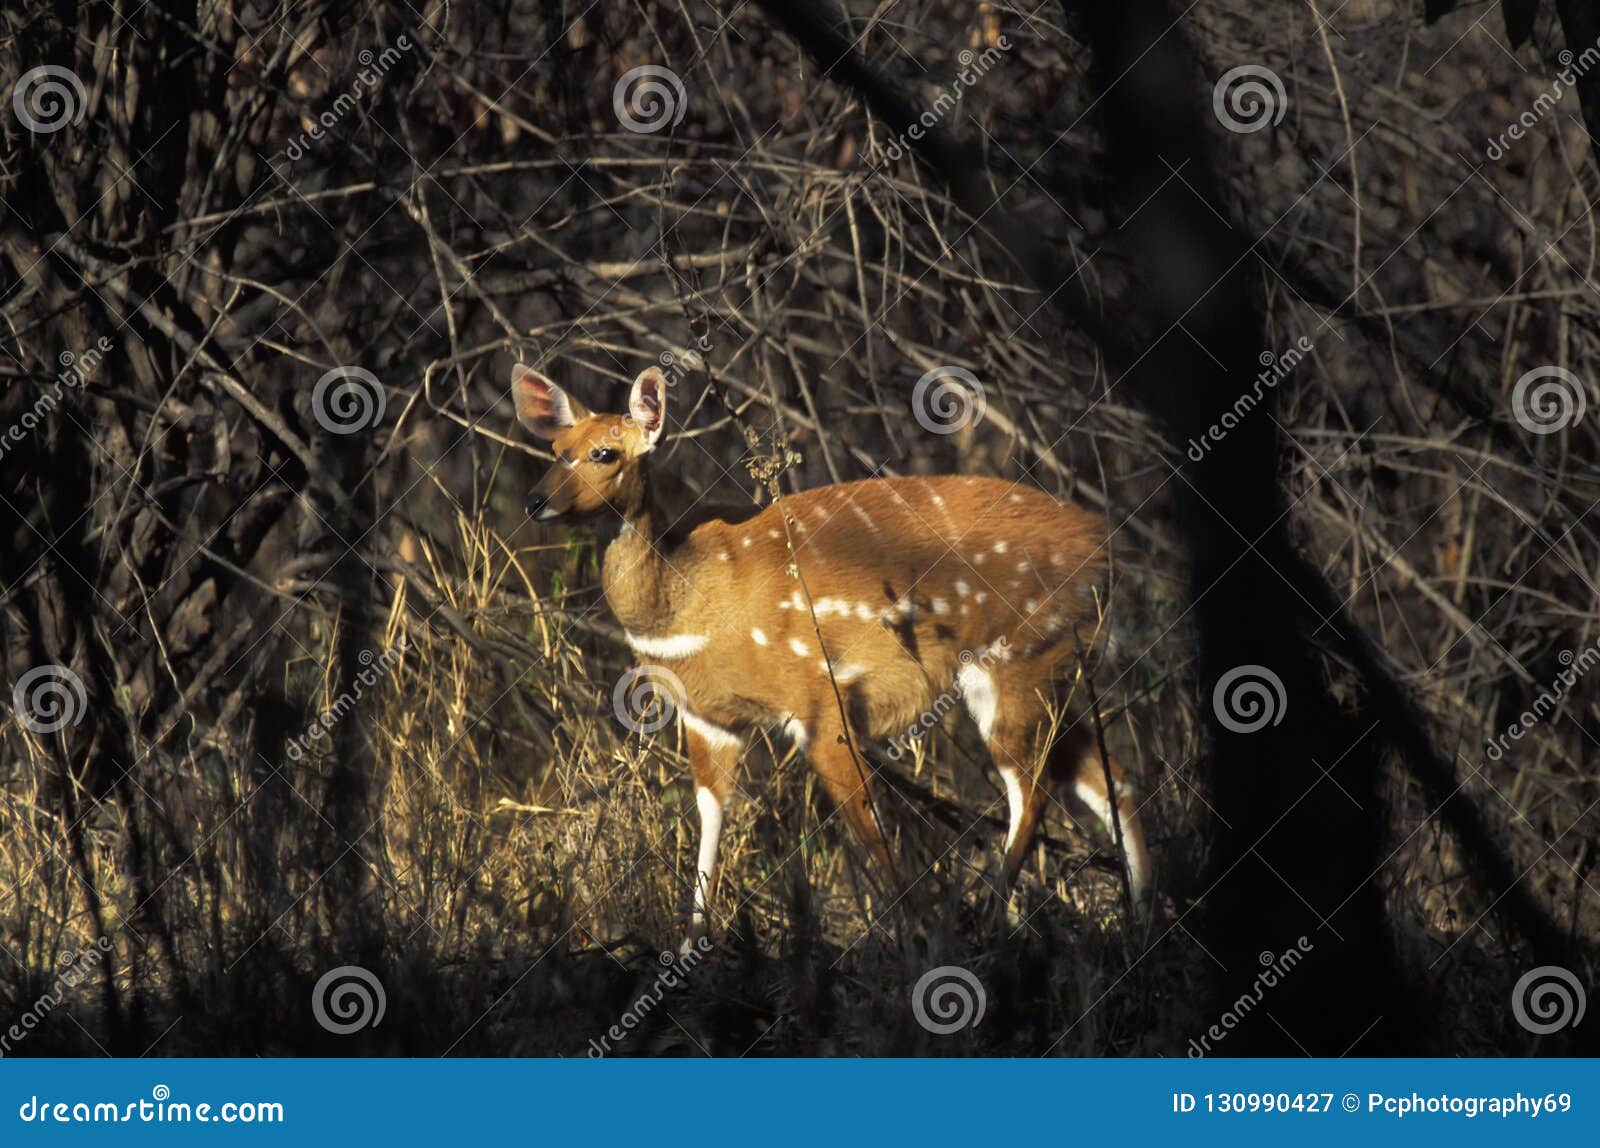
point(1008, 706)
point(1079, 751)
point(1018, 750)
point(1027, 790)
point(714, 759)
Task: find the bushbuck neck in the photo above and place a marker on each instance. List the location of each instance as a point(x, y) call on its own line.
point(641, 586)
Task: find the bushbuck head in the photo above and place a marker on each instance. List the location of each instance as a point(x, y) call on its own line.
point(599, 457)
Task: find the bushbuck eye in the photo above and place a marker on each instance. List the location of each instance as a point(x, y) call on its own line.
point(602, 454)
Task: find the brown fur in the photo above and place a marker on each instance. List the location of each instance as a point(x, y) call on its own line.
point(903, 583)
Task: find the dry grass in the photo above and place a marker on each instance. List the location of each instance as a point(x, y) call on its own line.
point(537, 858)
point(524, 860)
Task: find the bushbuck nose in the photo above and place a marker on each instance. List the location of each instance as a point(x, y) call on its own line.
point(536, 502)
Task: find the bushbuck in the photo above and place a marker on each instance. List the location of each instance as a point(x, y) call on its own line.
point(842, 614)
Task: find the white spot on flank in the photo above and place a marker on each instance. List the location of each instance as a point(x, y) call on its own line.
point(772, 534)
point(1001, 547)
point(745, 541)
point(962, 589)
point(725, 556)
point(981, 597)
point(758, 637)
point(1016, 498)
point(864, 611)
point(1030, 606)
point(864, 516)
point(1023, 567)
point(940, 606)
point(796, 733)
point(844, 672)
point(669, 646)
point(977, 689)
point(799, 647)
point(949, 519)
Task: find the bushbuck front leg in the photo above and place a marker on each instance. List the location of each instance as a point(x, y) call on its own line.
point(848, 781)
point(714, 758)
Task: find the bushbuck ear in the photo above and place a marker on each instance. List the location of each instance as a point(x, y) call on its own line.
point(648, 404)
point(543, 407)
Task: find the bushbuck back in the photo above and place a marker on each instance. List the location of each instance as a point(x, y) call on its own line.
point(852, 608)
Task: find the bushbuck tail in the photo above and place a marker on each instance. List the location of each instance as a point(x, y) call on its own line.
point(843, 614)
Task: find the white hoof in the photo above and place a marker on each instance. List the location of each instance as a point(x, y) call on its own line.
point(698, 940)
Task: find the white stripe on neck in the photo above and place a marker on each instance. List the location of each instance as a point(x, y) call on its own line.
point(672, 646)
